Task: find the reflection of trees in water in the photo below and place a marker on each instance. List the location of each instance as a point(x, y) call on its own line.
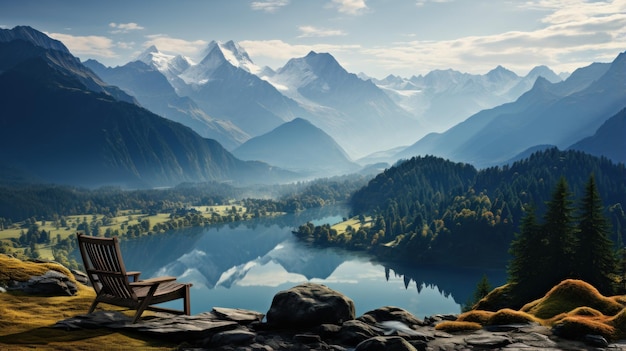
point(457, 282)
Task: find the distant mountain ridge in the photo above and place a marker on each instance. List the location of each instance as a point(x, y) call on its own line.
point(354, 112)
point(75, 135)
point(444, 98)
point(301, 147)
point(557, 114)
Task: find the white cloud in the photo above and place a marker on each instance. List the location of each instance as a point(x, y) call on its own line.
point(279, 50)
point(269, 5)
point(124, 27)
point(421, 3)
point(571, 30)
point(90, 45)
point(350, 7)
point(174, 45)
point(310, 31)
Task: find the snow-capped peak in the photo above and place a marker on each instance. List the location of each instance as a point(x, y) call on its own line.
point(233, 53)
point(216, 55)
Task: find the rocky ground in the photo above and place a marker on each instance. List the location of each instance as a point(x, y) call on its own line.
point(314, 317)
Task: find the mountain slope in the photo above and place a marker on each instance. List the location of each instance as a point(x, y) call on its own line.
point(153, 91)
point(555, 114)
point(29, 43)
point(298, 146)
point(354, 112)
point(225, 88)
point(73, 135)
point(609, 140)
point(444, 98)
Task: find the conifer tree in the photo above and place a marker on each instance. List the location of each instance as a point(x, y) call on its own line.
point(559, 232)
point(595, 255)
point(525, 268)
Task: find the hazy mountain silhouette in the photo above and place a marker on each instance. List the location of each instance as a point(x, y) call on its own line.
point(609, 140)
point(356, 113)
point(557, 114)
point(299, 146)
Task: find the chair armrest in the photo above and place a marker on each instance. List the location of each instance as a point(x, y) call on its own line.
point(153, 281)
point(134, 274)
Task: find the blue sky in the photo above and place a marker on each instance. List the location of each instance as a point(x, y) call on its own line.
point(377, 37)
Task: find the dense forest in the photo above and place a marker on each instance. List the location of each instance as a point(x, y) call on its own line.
point(428, 209)
point(19, 202)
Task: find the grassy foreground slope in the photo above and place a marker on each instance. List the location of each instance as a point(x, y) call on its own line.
point(26, 321)
point(573, 308)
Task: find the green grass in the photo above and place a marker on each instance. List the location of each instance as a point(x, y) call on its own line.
point(127, 218)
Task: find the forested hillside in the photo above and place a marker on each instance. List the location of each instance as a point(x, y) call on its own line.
point(427, 209)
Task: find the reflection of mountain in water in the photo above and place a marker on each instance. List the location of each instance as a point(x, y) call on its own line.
point(294, 257)
point(458, 282)
point(204, 255)
point(223, 255)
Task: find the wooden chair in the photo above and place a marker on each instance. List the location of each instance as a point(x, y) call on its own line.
point(104, 266)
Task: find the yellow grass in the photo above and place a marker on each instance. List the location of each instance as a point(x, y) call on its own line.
point(575, 326)
point(477, 316)
point(574, 306)
point(509, 316)
point(353, 222)
point(569, 295)
point(26, 321)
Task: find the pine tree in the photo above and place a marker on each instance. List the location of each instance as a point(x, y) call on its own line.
point(559, 232)
point(525, 268)
point(595, 255)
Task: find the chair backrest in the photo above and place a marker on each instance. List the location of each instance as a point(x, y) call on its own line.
point(104, 266)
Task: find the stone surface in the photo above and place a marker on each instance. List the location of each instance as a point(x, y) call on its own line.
point(309, 304)
point(385, 343)
point(387, 328)
point(51, 283)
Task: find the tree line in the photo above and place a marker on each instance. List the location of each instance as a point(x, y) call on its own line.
point(428, 209)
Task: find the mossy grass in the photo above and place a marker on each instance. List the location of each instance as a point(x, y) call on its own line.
point(510, 316)
point(26, 321)
point(497, 299)
point(477, 316)
point(569, 295)
point(575, 326)
point(18, 270)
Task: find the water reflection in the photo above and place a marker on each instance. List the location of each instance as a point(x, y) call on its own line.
point(244, 265)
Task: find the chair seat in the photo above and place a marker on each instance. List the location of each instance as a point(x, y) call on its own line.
point(164, 291)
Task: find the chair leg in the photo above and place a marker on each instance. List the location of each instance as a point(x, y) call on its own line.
point(145, 303)
point(187, 307)
point(140, 309)
point(93, 306)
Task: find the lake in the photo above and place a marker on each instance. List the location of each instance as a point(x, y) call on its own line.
point(243, 265)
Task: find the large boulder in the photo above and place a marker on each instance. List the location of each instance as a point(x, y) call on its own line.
point(51, 283)
point(308, 305)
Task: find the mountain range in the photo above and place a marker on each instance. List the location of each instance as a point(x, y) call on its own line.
point(94, 125)
point(559, 114)
point(444, 98)
point(61, 124)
